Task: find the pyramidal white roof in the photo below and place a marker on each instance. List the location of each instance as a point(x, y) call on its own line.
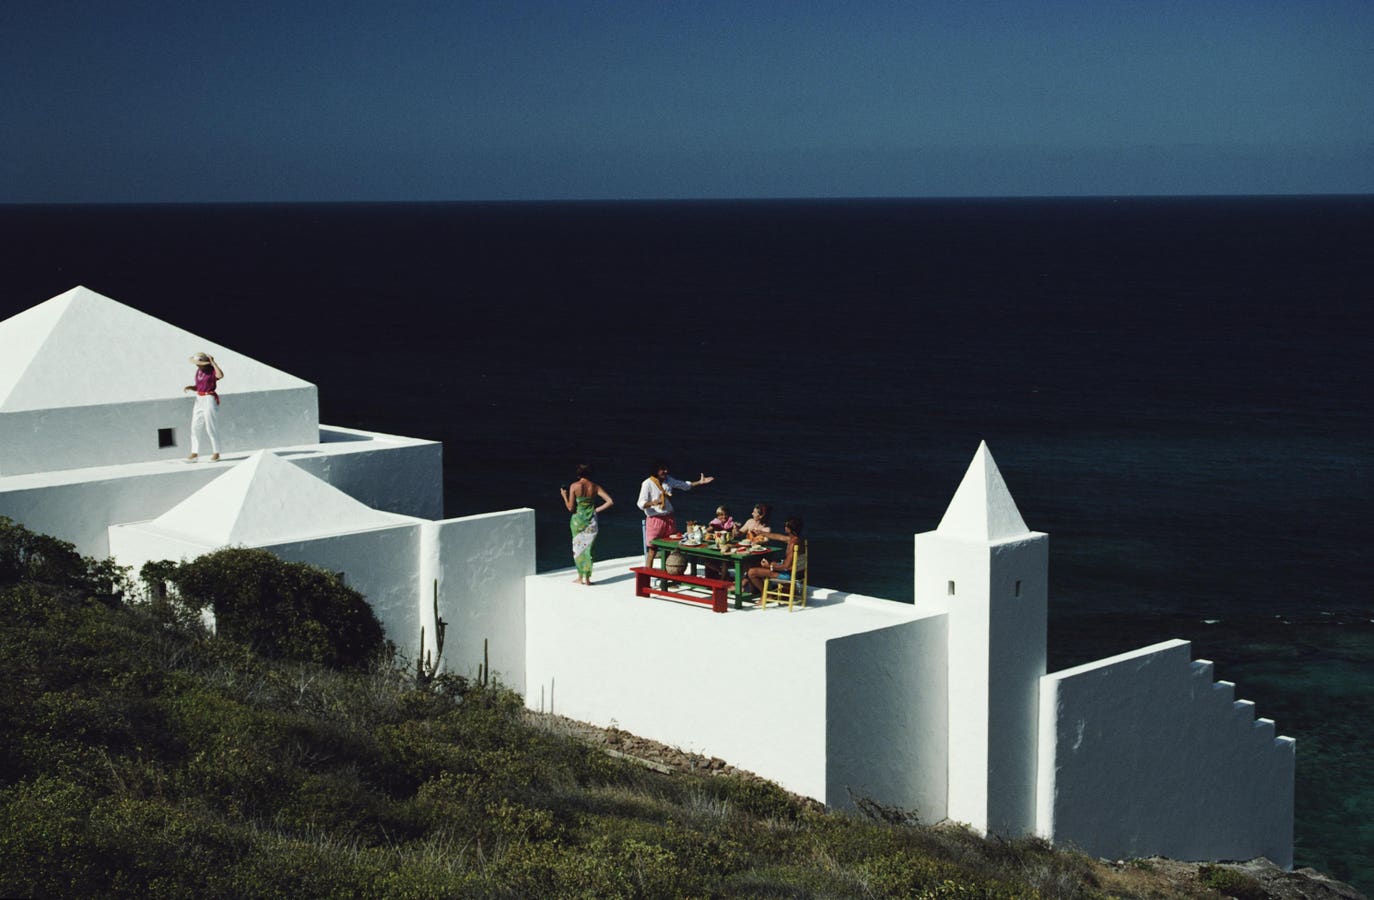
point(83, 349)
point(267, 500)
point(982, 508)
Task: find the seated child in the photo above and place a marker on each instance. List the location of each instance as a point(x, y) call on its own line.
point(723, 521)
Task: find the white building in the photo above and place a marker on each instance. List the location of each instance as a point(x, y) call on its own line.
point(942, 706)
point(94, 434)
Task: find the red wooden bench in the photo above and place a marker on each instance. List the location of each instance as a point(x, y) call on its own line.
point(720, 588)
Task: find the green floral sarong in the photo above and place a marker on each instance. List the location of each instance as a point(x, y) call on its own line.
point(584, 529)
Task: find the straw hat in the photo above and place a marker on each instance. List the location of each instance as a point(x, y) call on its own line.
point(201, 359)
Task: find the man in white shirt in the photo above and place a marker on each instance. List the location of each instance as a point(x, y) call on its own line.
point(655, 498)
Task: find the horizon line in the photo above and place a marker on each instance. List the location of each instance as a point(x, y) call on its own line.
point(745, 199)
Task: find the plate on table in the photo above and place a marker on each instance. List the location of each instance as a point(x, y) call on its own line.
point(689, 543)
point(674, 537)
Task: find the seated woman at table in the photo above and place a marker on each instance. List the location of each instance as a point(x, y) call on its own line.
point(757, 523)
point(796, 546)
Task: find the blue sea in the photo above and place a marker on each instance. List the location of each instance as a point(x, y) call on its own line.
point(1177, 390)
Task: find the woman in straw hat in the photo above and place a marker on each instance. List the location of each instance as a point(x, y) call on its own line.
point(208, 374)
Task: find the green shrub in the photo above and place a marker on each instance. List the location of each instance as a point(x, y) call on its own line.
point(282, 609)
point(763, 799)
point(1231, 883)
point(141, 758)
point(43, 850)
point(26, 556)
point(910, 875)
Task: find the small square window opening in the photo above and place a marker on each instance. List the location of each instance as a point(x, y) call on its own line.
point(166, 437)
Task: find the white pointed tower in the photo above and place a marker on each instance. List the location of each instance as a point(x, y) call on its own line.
point(991, 573)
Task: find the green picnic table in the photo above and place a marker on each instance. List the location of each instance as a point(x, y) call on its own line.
point(707, 551)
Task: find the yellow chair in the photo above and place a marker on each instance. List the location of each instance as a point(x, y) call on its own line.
point(779, 589)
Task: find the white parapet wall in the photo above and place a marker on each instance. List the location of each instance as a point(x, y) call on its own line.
point(135, 408)
point(840, 700)
point(72, 437)
point(1144, 754)
point(481, 563)
point(385, 471)
point(382, 564)
point(389, 473)
point(885, 717)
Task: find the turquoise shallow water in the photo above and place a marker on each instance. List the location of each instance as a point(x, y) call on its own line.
point(1177, 391)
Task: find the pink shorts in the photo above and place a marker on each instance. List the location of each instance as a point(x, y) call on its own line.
point(656, 527)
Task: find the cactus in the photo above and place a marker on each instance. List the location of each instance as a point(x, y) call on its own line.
point(427, 664)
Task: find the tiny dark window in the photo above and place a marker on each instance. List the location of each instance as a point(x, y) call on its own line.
point(166, 437)
point(1018, 587)
point(950, 590)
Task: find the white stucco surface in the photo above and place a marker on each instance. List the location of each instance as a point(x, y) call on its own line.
point(265, 500)
point(1144, 754)
point(982, 508)
point(991, 574)
point(387, 472)
point(886, 712)
point(483, 563)
point(750, 686)
point(42, 343)
point(75, 437)
point(382, 564)
point(53, 418)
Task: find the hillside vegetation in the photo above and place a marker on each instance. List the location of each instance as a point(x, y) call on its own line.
point(292, 756)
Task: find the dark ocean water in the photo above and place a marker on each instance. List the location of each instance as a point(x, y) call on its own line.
point(1177, 390)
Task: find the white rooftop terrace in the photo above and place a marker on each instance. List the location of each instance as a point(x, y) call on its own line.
point(390, 473)
point(846, 693)
point(829, 612)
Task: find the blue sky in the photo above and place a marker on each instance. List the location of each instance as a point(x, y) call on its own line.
point(234, 101)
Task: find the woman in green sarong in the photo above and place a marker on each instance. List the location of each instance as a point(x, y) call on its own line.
point(580, 499)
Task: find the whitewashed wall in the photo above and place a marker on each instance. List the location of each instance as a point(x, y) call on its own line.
point(847, 694)
point(1017, 642)
point(394, 474)
point(80, 506)
point(134, 545)
point(886, 710)
point(81, 511)
point(482, 563)
point(1144, 754)
point(73, 437)
point(382, 564)
point(739, 686)
point(996, 658)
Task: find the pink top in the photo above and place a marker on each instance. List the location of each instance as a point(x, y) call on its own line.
point(725, 526)
point(205, 381)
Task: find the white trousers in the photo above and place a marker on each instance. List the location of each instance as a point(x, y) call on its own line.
point(205, 415)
